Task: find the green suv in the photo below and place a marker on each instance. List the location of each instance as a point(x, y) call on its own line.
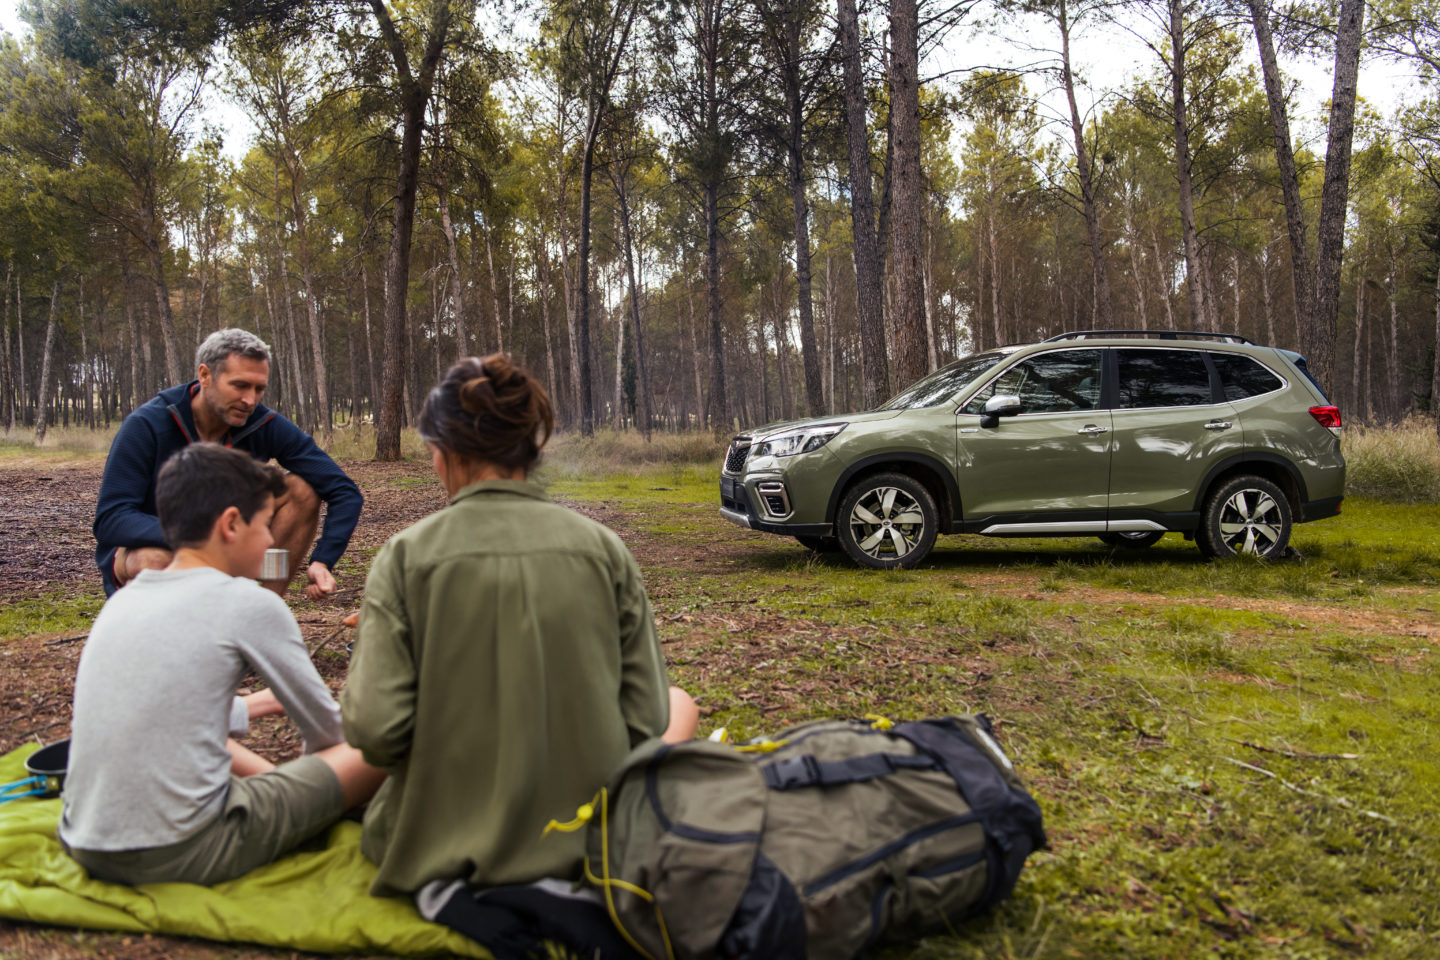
point(1123, 435)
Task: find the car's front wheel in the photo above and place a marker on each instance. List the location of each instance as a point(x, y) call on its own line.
point(1245, 515)
point(887, 520)
point(1132, 539)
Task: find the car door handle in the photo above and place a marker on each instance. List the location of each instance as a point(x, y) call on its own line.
point(1219, 425)
point(1091, 430)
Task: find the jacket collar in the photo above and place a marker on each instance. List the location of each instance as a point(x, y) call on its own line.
point(519, 488)
point(177, 403)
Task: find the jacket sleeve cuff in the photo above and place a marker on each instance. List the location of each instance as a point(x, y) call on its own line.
point(239, 718)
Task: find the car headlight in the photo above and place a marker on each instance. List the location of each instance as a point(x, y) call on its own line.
point(791, 442)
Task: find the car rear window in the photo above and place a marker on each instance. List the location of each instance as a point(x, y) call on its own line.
point(1163, 378)
point(1244, 376)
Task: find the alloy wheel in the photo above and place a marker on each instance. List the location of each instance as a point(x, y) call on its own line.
point(1252, 522)
point(887, 523)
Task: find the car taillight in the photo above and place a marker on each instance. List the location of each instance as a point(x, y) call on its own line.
point(1327, 417)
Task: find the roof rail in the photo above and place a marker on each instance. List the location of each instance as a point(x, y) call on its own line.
point(1155, 334)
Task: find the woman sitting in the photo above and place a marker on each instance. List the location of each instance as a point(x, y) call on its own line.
point(506, 661)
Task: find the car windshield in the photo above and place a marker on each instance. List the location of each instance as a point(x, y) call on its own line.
point(942, 385)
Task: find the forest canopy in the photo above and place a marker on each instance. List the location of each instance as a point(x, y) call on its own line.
point(691, 214)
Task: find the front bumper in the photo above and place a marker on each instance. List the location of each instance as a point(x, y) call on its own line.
point(736, 506)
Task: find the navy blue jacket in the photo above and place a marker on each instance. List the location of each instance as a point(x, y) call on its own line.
point(125, 512)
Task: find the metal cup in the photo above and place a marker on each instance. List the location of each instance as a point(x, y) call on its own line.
point(276, 566)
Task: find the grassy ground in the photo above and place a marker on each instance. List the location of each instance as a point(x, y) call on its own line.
point(1234, 759)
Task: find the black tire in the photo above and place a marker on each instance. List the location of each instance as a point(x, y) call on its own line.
point(1132, 539)
point(818, 544)
point(869, 528)
point(1245, 515)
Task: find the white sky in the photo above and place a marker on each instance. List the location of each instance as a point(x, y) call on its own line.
point(1105, 59)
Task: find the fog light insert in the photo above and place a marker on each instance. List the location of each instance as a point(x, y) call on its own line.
point(774, 499)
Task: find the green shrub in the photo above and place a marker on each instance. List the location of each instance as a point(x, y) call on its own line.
point(1398, 463)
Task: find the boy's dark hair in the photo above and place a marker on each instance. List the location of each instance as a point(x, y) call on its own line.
point(202, 481)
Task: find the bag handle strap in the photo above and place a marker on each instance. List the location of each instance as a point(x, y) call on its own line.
point(805, 771)
point(29, 787)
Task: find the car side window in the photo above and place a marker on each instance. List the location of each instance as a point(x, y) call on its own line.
point(1049, 383)
point(1244, 376)
point(1162, 378)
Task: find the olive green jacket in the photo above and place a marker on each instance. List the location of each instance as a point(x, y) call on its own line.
point(506, 663)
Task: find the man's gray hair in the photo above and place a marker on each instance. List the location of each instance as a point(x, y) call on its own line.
point(222, 343)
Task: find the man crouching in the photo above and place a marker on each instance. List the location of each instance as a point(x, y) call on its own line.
point(157, 791)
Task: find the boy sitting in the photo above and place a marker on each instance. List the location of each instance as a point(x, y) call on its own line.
point(156, 789)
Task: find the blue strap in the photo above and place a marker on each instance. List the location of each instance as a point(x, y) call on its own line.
point(12, 791)
point(805, 771)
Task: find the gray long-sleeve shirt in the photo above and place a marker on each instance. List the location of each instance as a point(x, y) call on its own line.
point(155, 702)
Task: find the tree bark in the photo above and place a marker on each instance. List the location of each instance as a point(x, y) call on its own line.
point(414, 95)
point(1104, 306)
point(1285, 162)
point(642, 384)
point(42, 399)
point(719, 411)
point(1317, 340)
point(869, 292)
point(369, 344)
point(1356, 398)
point(911, 361)
point(1194, 281)
point(494, 289)
point(542, 270)
point(7, 377)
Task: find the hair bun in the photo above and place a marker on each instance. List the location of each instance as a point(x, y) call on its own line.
point(477, 395)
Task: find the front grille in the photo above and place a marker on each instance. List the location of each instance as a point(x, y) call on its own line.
point(735, 458)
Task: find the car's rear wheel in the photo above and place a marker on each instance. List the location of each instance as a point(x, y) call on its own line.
point(1245, 515)
point(1132, 539)
point(887, 520)
point(818, 544)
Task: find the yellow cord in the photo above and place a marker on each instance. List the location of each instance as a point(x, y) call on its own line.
point(605, 882)
point(582, 817)
point(879, 722)
point(764, 746)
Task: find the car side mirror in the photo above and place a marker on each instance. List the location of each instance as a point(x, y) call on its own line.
point(1001, 405)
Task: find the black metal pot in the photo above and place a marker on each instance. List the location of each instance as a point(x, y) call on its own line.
point(46, 767)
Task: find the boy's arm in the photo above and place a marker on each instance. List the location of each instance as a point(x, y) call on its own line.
point(120, 520)
point(644, 687)
point(278, 654)
point(378, 702)
point(297, 452)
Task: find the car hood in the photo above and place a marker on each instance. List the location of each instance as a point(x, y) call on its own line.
point(873, 416)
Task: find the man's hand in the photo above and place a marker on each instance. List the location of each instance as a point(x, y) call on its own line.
point(322, 583)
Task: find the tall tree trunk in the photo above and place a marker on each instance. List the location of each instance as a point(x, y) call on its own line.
point(415, 94)
point(369, 344)
point(1104, 306)
point(869, 292)
point(784, 29)
point(1194, 280)
point(42, 399)
point(173, 370)
point(1317, 341)
point(696, 355)
point(7, 376)
point(1392, 362)
point(642, 385)
point(494, 289)
point(582, 292)
point(312, 300)
point(994, 244)
point(719, 411)
point(85, 372)
point(542, 271)
point(1300, 276)
point(1356, 398)
point(1263, 263)
point(1132, 243)
point(1162, 266)
point(302, 396)
point(1435, 373)
point(442, 187)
